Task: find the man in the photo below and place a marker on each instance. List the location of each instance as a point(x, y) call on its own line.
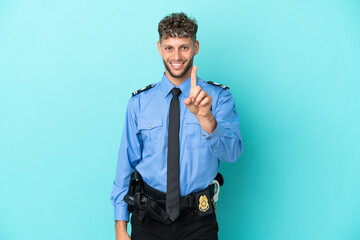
point(176, 133)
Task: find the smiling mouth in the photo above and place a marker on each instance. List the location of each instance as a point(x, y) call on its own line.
point(177, 65)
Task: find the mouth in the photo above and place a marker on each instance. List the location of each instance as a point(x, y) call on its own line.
point(177, 65)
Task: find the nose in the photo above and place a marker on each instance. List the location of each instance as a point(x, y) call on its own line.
point(177, 54)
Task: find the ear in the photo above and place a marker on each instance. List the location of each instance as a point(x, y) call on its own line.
point(159, 47)
point(197, 46)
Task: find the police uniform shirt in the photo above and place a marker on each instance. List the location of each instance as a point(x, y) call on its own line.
point(145, 136)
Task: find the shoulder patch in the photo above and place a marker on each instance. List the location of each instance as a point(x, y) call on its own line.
point(143, 89)
point(218, 84)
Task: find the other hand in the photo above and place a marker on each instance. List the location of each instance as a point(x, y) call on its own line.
point(121, 230)
point(122, 236)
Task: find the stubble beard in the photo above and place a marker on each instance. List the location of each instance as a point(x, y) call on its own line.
point(187, 68)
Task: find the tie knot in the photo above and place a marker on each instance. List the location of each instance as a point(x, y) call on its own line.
point(175, 92)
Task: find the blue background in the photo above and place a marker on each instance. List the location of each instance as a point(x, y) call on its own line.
point(67, 69)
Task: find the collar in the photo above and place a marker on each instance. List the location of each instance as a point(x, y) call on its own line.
point(167, 85)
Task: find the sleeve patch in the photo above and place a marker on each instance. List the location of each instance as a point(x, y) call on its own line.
point(218, 84)
point(143, 89)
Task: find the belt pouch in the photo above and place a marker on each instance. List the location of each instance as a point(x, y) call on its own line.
point(203, 203)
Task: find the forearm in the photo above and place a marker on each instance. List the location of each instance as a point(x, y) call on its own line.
point(225, 143)
point(120, 226)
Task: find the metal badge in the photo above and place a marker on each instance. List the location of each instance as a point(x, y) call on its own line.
point(203, 203)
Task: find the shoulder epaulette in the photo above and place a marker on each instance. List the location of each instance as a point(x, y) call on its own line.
point(143, 89)
point(218, 84)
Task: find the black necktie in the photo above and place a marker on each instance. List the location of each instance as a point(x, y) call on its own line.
point(172, 191)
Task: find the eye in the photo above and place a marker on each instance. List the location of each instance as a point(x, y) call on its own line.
point(168, 48)
point(185, 48)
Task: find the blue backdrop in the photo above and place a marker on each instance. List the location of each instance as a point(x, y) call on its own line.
point(67, 69)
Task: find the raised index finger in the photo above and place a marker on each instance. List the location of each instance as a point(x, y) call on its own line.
point(193, 76)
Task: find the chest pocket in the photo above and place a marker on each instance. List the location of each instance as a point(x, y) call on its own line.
point(192, 131)
point(151, 130)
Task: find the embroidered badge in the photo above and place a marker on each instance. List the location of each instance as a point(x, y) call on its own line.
point(203, 203)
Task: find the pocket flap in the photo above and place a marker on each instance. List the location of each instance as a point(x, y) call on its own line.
point(149, 123)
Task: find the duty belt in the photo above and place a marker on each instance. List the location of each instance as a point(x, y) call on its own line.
point(145, 199)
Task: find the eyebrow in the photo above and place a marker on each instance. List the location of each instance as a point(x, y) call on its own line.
point(182, 45)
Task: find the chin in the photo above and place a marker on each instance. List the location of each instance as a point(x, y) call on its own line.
point(177, 75)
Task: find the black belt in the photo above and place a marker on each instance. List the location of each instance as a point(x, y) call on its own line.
point(145, 199)
point(188, 201)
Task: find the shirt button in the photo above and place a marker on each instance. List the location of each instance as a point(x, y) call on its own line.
point(149, 126)
point(208, 138)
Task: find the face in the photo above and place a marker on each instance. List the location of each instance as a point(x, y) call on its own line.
point(178, 54)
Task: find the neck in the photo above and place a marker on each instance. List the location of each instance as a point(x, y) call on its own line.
point(177, 81)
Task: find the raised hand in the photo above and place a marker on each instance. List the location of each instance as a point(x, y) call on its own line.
point(199, 101)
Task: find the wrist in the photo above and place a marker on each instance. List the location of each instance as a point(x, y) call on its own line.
point(207, 122)
point(205, 116)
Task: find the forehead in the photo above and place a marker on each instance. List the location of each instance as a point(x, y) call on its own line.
point(176, 41)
